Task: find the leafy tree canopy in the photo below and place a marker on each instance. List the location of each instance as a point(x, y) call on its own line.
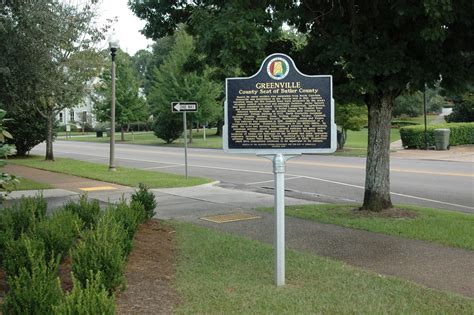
point(48, 57)
point(130, 105)
point(375, 50)
point(173, 83)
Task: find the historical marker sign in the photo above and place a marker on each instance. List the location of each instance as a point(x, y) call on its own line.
point(180, 107)
point(279, 110)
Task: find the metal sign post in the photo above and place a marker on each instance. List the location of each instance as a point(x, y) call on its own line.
point(183, 107)
point(279, 113)
point(204, 127)
point(185, 128)
point(279, 169)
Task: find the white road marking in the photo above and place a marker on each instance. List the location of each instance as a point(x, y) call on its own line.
point(295, 175)
point(392, 193)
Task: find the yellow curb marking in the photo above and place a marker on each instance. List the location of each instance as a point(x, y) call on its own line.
point(98, 188)
point(233, 217)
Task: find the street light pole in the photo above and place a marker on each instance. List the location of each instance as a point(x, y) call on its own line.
point(113, 44)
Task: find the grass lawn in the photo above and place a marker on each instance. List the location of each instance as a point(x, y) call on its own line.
point(212, 141)
point(420, 119)
point(123, 176)
point(358, 139)
point(437, 226)
point(225, 274)
point(28, 184)
point(74, 133)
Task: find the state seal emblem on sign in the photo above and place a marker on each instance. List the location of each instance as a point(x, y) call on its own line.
point(278, 68)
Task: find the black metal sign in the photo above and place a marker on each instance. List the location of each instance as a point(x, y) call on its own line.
point(279, 109)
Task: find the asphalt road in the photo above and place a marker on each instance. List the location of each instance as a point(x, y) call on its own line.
point(437, 184)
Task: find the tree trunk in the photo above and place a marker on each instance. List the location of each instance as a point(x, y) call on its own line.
point(377, 174)
point(49, 137)
point(220, 123)
point(341, 138)
point(122, 133)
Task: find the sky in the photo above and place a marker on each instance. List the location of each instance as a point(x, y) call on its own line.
point(128, 26)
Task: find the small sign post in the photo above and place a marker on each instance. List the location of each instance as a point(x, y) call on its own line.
point(68, 131)
point(183, 107)
point(279, 113)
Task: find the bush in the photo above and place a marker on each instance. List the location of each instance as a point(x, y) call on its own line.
point(146, 198)
point(462, 111)
point(414, 136)
point(25, 214)
point(18, 252)
point(93, 299)
point(101, 250)
point(129, 217)
point(6, 232)
point(87, 211)
point(168, 127)
point(59, 232)
point(28, 128)
point(34, 291)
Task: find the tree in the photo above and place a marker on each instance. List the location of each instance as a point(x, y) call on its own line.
point(28, 128)
point(375, 50)
point(350, 117)
point(21, 73)
point(410, 104)
point(145, 62)
point(130, 106)
point(463, 109)
point(56, 39)
point(173, 83)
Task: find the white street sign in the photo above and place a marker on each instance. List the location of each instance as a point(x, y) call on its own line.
point(178, 107)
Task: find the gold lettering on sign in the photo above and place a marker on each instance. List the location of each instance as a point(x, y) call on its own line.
point(292, 118)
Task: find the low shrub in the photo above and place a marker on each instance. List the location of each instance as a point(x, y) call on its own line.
point(101, 249)
point(26, 213)
point(34, 291)
point(414, 136)
point(88, 212)
point(18, 254)
point(146, 198)
point(59, 232)
point(6, 232)
point(92, 299)
point(129, 216)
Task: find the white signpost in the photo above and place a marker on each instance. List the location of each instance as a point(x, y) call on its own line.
point(184, 107)
point(279, 113)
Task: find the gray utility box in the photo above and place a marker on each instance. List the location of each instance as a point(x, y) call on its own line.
point(441, 137)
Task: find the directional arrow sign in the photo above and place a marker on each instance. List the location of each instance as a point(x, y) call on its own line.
point(179, 107)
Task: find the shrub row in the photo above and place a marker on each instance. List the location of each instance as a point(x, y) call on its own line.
point(402, 123)
point(20, 218)
point(32, 245)
point(414, 136)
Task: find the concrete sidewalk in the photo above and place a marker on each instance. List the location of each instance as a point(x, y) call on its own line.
point(429, 264)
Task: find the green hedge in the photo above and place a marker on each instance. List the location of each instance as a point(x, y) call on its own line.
point(414, 136)
point(403, 123)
